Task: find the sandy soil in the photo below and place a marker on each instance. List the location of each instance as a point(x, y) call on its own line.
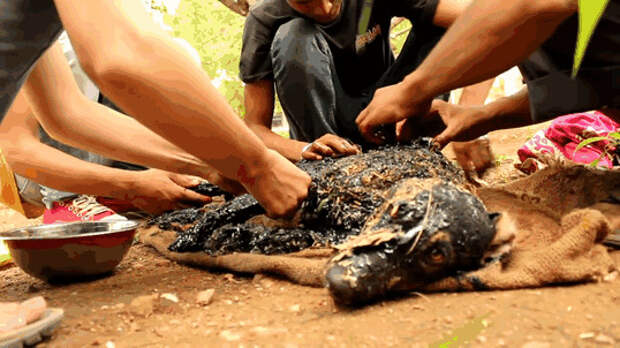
point(129, 308)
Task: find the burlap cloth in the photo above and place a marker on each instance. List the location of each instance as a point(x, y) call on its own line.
point(551, 231)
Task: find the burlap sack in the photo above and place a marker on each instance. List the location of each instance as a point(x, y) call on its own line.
point(551, 231)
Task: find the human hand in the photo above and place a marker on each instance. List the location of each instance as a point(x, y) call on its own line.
point(388, 106)
point(474, 156)
point(461, 123)
point(277, 184)
point(226, 184)
point(156, 191)
point(329, 145)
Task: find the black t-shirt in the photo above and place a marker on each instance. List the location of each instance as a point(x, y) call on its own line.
point(552, 91)
point(27, 29)
point(360, 59)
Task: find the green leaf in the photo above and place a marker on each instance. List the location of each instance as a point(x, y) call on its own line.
point(614, 135)
point(595, 162)
point(589, 141)
point(590, 12)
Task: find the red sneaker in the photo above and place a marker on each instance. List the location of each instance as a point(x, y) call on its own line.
point(81, 208)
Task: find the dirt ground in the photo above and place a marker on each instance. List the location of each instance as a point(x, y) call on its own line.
point(151, 301)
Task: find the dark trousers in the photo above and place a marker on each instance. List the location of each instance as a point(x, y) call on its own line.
point(308, 87)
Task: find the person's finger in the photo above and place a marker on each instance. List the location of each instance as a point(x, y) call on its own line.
point(437, 106)
point(443, 138)
point(311, 156)
point(185, 180)
point(359, 120)
point(321, 149)
point(337, 144)
point(366, 128)
point(189, 196)
point(351, 149)
point(404, 131)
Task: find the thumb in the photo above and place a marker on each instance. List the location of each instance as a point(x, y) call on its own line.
point(437, 105)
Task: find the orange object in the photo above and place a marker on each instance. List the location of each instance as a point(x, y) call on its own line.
point(9, 194)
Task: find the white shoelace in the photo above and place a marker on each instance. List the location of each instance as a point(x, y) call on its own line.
point(87, 207)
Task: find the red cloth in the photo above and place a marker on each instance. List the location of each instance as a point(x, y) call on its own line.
point(563, 136)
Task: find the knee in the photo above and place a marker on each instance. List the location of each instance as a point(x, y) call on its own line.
point(298, 40)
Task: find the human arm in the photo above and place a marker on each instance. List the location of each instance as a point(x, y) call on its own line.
point(468, 123)
point(154, 191)
point(259, 100)
point(171, 95)
point(474, 156)
point(259, 105)
point(476, 94)
point(102, 130)
point(484, 41)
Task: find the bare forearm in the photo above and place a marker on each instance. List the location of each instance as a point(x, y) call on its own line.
point(143, 71)
point(190, 112)
point(107, 132)
point(116, 136)
point(507, 112)
point(48, 166)
point(485, 40)
point(289, 148)
point(476, 94)
point(259, 99)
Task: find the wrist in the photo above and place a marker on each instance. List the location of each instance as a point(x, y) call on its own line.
point(306, 147)
point(485, 119)
point(250, 170)
point(124, 185)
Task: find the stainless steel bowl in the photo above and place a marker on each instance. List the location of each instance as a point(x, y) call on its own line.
point(70, 250)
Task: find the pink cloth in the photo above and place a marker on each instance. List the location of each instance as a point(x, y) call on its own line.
point(563, 136)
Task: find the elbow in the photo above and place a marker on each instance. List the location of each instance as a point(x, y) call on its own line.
point(62, 125)
point(107, 71)
point(16, 151)
point(111, 69)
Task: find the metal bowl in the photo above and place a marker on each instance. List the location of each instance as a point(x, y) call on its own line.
point(70, 250)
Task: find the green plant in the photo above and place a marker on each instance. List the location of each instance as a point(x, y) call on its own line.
point(215, 32)
point(500, 159)
point(614, 141)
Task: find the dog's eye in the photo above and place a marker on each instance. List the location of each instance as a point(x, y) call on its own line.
point(437, 255)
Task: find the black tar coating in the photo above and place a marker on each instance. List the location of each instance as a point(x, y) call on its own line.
point(345, 192)
point(207, 189)
point(455, 235)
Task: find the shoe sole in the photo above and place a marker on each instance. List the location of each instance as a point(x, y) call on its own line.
point(33, 332)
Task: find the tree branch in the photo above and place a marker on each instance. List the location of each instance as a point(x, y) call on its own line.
point(241, 7)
